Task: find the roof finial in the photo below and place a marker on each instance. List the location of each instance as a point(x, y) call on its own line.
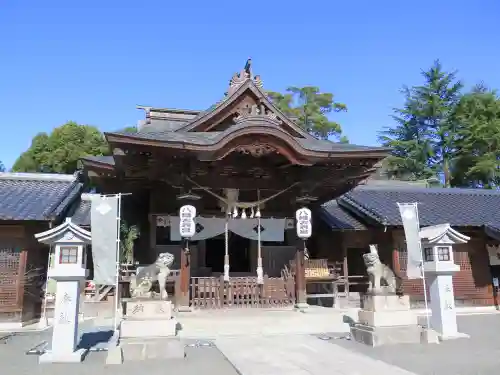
point(248, 67)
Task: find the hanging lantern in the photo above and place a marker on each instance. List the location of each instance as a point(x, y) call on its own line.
point(243, 214)
point(235, 212)
point(257, 214)
point(252, 213)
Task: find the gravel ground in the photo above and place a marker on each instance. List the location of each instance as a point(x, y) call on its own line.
point(478, 355)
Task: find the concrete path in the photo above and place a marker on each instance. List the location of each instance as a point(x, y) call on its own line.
point(298, 355)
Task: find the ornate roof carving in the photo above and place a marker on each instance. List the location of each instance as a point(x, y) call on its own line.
point(256, 149)
point(240, 78)
point(256, 111)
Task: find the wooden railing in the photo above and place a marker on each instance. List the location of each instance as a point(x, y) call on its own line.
point(215, 293)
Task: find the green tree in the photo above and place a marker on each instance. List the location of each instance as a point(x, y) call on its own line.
point(310, 108)
point(60, 151)
point(438, 98)
point(425, 132)
point(477, 159)
point(2, 167)
point(411, 148)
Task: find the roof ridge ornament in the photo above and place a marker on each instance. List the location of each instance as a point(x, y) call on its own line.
point(240, 78)
point(256, 111)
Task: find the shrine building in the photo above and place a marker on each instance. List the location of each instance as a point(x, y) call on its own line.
point(247, 168)
point(241, 154)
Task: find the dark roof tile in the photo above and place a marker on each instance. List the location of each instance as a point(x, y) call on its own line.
point(36, 196)
point(101, 159)
point(459, 207)
point(338, 217)
point(81, 214)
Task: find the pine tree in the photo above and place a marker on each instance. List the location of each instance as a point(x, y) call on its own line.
point(424, 135)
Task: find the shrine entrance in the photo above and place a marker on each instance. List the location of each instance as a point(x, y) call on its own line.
point(239, 253)
point(242, 163)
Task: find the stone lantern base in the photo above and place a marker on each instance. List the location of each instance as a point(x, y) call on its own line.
point(71, 357)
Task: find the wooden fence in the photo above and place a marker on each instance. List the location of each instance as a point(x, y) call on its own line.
point(241, 292)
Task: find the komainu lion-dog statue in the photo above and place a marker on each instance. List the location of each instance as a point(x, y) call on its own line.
point(379, 274)
point(141, 283)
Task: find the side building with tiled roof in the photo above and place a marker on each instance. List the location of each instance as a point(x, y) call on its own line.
point(369, 214)
point(29, 203)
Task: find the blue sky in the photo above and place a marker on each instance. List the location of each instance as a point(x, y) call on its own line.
point(93, 63)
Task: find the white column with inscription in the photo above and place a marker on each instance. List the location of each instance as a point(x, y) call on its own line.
point(69, 272)
point(439, 267)
point(65, 331)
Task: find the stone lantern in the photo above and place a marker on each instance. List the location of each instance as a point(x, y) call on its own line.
point(69, 272)
point(439, 267)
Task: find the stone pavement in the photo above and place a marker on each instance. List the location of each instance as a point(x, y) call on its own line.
point(272, 343)
point(199, 360)
point(478, 355)
point(298, 355)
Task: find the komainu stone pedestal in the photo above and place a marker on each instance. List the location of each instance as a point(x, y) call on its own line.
point(385, 320)
point(148, 319)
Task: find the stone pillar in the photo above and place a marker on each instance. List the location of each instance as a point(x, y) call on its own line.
point(65, 331)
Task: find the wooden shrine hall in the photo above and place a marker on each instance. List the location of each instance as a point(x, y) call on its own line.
point(247, 168)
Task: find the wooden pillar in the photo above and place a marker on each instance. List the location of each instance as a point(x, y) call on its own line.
point(182, 300)
point(345, 267)
point(300, 277)
point(152, 238)
point(396, 266)
point(21, 278)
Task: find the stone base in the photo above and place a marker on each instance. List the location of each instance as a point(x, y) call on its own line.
point(131, 328)
point(75, 357)
point(184, 309)
point(114, 356)
point(139, 350)
point(457, 335)
point(377, 336)
point(387, 318)
point(391, 302)
point(148, 309)
point(429, 336)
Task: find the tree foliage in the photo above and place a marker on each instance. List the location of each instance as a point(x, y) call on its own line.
point(410, 143)
point(442, 131)
point(477, 160)
point(310, 108)
point(60, 151)
point(2, 167)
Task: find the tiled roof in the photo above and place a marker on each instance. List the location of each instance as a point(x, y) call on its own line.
point(338, 217)
point(211, 138)
point(101, 159)
point(81, 213)
point(493, 231)
point(36, 196)
point(458, 207)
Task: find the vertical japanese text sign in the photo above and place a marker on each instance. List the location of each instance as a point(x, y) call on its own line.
point(304, 225)
point(187, 226)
